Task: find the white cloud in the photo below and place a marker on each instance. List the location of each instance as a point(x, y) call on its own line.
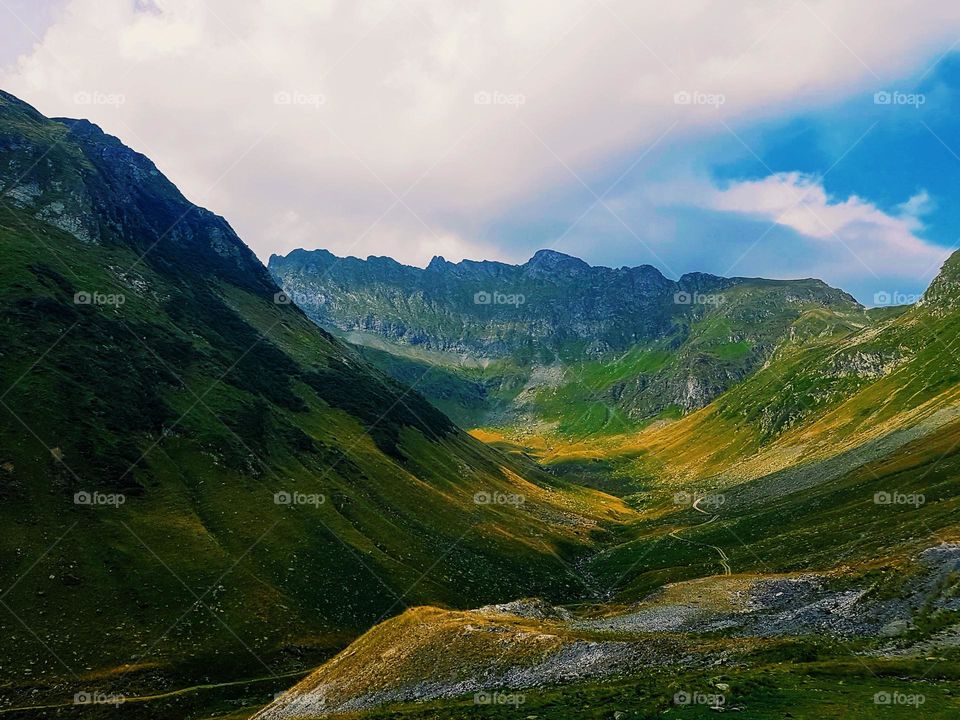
point(839, 239)
point(879, 241)
point(382, 97)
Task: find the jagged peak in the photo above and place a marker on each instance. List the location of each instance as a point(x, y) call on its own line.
point(552, 261)
point(438, 262)
point(698, 277)
point(547, 255)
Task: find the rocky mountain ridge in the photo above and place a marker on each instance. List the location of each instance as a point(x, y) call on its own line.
point(667, 346)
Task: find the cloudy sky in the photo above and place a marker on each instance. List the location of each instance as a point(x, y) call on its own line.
point(790, 138)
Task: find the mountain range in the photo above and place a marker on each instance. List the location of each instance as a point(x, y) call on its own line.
point(797, 527)
point(556, 342)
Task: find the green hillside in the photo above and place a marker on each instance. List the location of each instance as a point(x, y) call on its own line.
point(820, 397)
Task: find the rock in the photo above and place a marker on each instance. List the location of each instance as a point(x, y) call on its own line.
point(895, 628)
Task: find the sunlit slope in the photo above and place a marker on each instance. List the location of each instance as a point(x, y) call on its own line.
point(815, 399)
point(762, 642)
point(487, 655)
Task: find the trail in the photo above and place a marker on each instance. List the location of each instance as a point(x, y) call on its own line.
point(724, 560)
point(163, 695)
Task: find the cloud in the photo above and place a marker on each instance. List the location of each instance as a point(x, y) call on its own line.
point(786, 225)
point(403, 126)
point(882, 244)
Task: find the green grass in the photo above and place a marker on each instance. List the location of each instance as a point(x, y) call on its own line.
point(809, 530)
point(731, 351)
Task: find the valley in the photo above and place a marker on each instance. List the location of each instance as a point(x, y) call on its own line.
point(795, 512)
point(200, 485)
point(334, 487)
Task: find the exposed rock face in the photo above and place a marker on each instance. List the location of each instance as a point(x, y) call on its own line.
point(553, 305)
point(532, 608)
point(100, 191)
point(943, 295)
point(868, 365)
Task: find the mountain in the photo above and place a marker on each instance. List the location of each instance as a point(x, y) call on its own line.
point(199, 485)
point(843, 450)
point(881, 387)
point(554, 342)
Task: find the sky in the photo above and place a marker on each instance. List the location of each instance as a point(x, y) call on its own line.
point(783, 139)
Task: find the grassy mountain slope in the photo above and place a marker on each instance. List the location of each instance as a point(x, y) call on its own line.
point(818, 398)
point(184, 409)
point(802, 464)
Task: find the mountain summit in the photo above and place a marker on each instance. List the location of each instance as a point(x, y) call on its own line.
point(553, 262)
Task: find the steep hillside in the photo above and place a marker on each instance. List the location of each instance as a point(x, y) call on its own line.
point(198, 483)
point(574, 348)
point(850, 397)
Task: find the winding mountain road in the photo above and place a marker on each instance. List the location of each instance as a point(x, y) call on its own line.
point(724, 560)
